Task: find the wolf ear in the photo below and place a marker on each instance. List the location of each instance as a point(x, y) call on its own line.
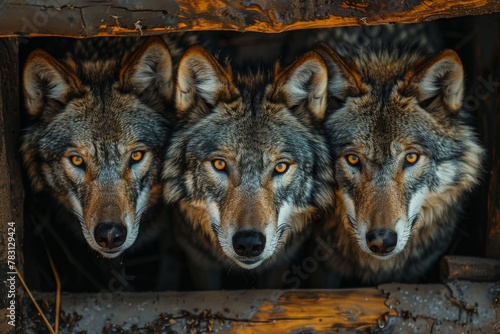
point(149, 69)
point(442, 77)
point(343, 78)
point(201, 76)
point(304, 81)
point(46, 80)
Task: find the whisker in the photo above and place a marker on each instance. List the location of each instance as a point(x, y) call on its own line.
point(351, 221)
point(77, 215)
point(141, 210)
point(413, 219)
point(231, 266)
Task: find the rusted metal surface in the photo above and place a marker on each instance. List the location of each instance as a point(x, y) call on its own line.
point(103, 18)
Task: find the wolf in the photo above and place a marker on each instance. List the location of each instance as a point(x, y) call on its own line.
point(97, 132)
point(247, 167)
point(404, 157)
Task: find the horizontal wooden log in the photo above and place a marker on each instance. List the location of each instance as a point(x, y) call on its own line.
point(462, 306)
point(82, 18)
point(469, 268)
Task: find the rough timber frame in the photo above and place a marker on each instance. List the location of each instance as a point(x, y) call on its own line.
point(386, 308)
point(83, 18)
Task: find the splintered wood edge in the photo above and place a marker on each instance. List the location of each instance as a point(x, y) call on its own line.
point(249, 311)
point(395, 307)
point(90, 19)
point(320, 310)
point(469, 268)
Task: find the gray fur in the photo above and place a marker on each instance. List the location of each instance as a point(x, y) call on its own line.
point(250, 121)
point(382, 107)
point(102, 110)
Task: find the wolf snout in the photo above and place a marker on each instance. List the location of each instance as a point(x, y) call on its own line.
point(249, 243)
point(381, 241)
point(110, 234)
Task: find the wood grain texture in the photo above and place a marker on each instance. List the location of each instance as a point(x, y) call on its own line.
point(104, 18)
point(493, 235)
point(320, 311)
point(11, 188)
point(392, 308)
point(469, 268)
point(485, 99)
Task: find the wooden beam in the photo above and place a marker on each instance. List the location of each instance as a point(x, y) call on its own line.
point(318, 311)
point(469, 269)
point(83, 18)
point(484, 99)
point(493, 234)
point(394, 308)
point(11, 188)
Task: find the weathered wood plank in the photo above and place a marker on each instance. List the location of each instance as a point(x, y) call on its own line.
point(493, 236)
point(319, 311)
point(455, 307)
point(463, 306)
point(11, 189)
point(484, 99)
point(103, 18)
point(469, 268)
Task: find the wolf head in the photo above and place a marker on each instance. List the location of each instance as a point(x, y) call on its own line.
point(96, 138)
point(403, 155)
point(248, 165)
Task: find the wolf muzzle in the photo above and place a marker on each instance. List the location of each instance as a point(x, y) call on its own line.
point(110, 235)
point(381, 241)
point(249, 244)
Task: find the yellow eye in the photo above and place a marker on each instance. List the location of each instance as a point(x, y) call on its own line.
point(412, 158)
point(76, 160)
point(219, 164)
point(281, 167)
point(352, 159)
point(136, 156)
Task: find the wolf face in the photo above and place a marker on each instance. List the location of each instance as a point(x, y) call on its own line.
point(97, 136)
point(248, 166)
point(403, 155)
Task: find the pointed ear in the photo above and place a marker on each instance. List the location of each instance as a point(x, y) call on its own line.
point(149, 69)
point(200, 76)
point(442, 77)
point(46, 80)
point(303, 82)
point(343, 77)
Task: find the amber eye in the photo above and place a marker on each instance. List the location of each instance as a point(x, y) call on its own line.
point(136, 156)
point(411, 158)
point(76, 160)
point(352, 159)
point(281, 167)
point(219, 164)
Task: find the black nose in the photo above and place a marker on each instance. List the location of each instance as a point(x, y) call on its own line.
point(381, 241)
point(249, 243)
point(110, 234)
